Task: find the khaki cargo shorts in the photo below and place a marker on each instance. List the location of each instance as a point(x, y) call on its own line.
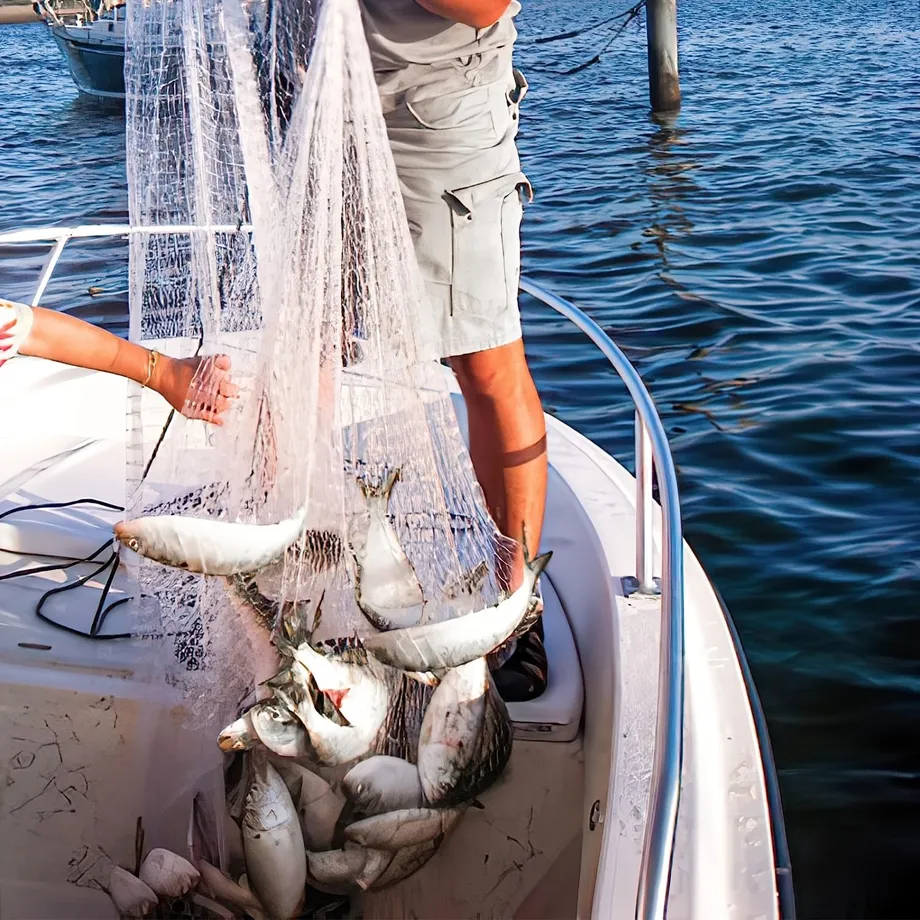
point(457, 160)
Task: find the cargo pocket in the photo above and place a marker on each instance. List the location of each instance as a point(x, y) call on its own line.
point(486, 242)
point(463, 109)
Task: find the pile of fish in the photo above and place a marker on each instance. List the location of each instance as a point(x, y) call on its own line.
point(362, 754)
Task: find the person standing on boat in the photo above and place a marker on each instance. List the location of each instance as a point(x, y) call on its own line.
point(451, 101)
point(199, 388)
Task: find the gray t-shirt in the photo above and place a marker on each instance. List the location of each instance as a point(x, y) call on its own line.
point(411, 47)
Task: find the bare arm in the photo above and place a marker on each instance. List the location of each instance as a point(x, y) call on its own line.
point(480, 14)
point(69, 340)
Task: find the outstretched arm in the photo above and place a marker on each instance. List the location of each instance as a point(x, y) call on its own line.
point(196, 387)
point(480, 14)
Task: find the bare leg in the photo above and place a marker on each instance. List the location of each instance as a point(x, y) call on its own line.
point(507, 441)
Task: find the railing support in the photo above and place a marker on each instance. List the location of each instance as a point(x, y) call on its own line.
point(645, 546)
point(48, 270)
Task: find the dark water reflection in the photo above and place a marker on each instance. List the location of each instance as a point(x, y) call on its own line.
point(758, 257)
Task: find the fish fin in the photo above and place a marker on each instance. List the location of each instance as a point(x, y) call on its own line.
point(387, 487)
point(281, 679)
point(527, 556)
point(379, 491)
point(539, 564)
point(285, 647)
point(378, 622)
point(237, 780)
point(475, 803)
point(318, 613)
point(468, 582)
point(287, 627)
point(286, 699)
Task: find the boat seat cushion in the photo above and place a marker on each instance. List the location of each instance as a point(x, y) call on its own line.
point(555, 715)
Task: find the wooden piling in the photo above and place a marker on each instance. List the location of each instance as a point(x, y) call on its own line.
point(663, 75)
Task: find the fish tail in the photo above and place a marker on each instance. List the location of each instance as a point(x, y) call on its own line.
point(281, 679)
point(536, 566)
point(379, 491)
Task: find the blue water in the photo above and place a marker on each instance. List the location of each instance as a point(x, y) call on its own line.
point(759, 260)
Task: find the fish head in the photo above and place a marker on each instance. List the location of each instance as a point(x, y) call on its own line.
point(131, 534)
point(341, 668)
point(147, 537)
point(268, 804)
point(239, 735)
point(276, 726)
point(272, 712)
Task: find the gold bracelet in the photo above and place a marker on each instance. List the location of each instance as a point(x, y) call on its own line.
point(151, 367)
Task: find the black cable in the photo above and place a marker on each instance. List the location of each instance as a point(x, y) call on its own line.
point(628, 16)
point(100, 615)
point(562, 36)
point(56, 567)
point(112, 561)
point(77, 501)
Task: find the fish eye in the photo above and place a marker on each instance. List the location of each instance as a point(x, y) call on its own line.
point(134, 544)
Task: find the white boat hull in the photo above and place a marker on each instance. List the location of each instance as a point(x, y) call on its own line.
point(91, 739)
point(95, 57)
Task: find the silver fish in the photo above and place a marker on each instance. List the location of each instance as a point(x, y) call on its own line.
point(332, 744)
point(382, 707)
point(377, 863)
point(279, 730)
point(132, 897)
point(209, 547)
point(299, 682)
point(270, 723)
point(168, 874)
point(386, 587)
point(355, 685)
point(318, 804)
point(451, 732)
point(451, 643)
point(407, 827)
point(336, 871)
point(273, 843)
point(405, 862)
point(490, 760)
point(381, 784)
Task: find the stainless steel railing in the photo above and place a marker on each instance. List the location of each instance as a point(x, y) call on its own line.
point(652, 449)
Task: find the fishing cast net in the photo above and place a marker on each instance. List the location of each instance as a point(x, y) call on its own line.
point(268, 225)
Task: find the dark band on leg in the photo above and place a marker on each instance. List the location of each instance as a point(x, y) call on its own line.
point(525, 455)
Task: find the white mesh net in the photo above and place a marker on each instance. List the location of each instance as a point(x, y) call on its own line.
point(270, 228)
